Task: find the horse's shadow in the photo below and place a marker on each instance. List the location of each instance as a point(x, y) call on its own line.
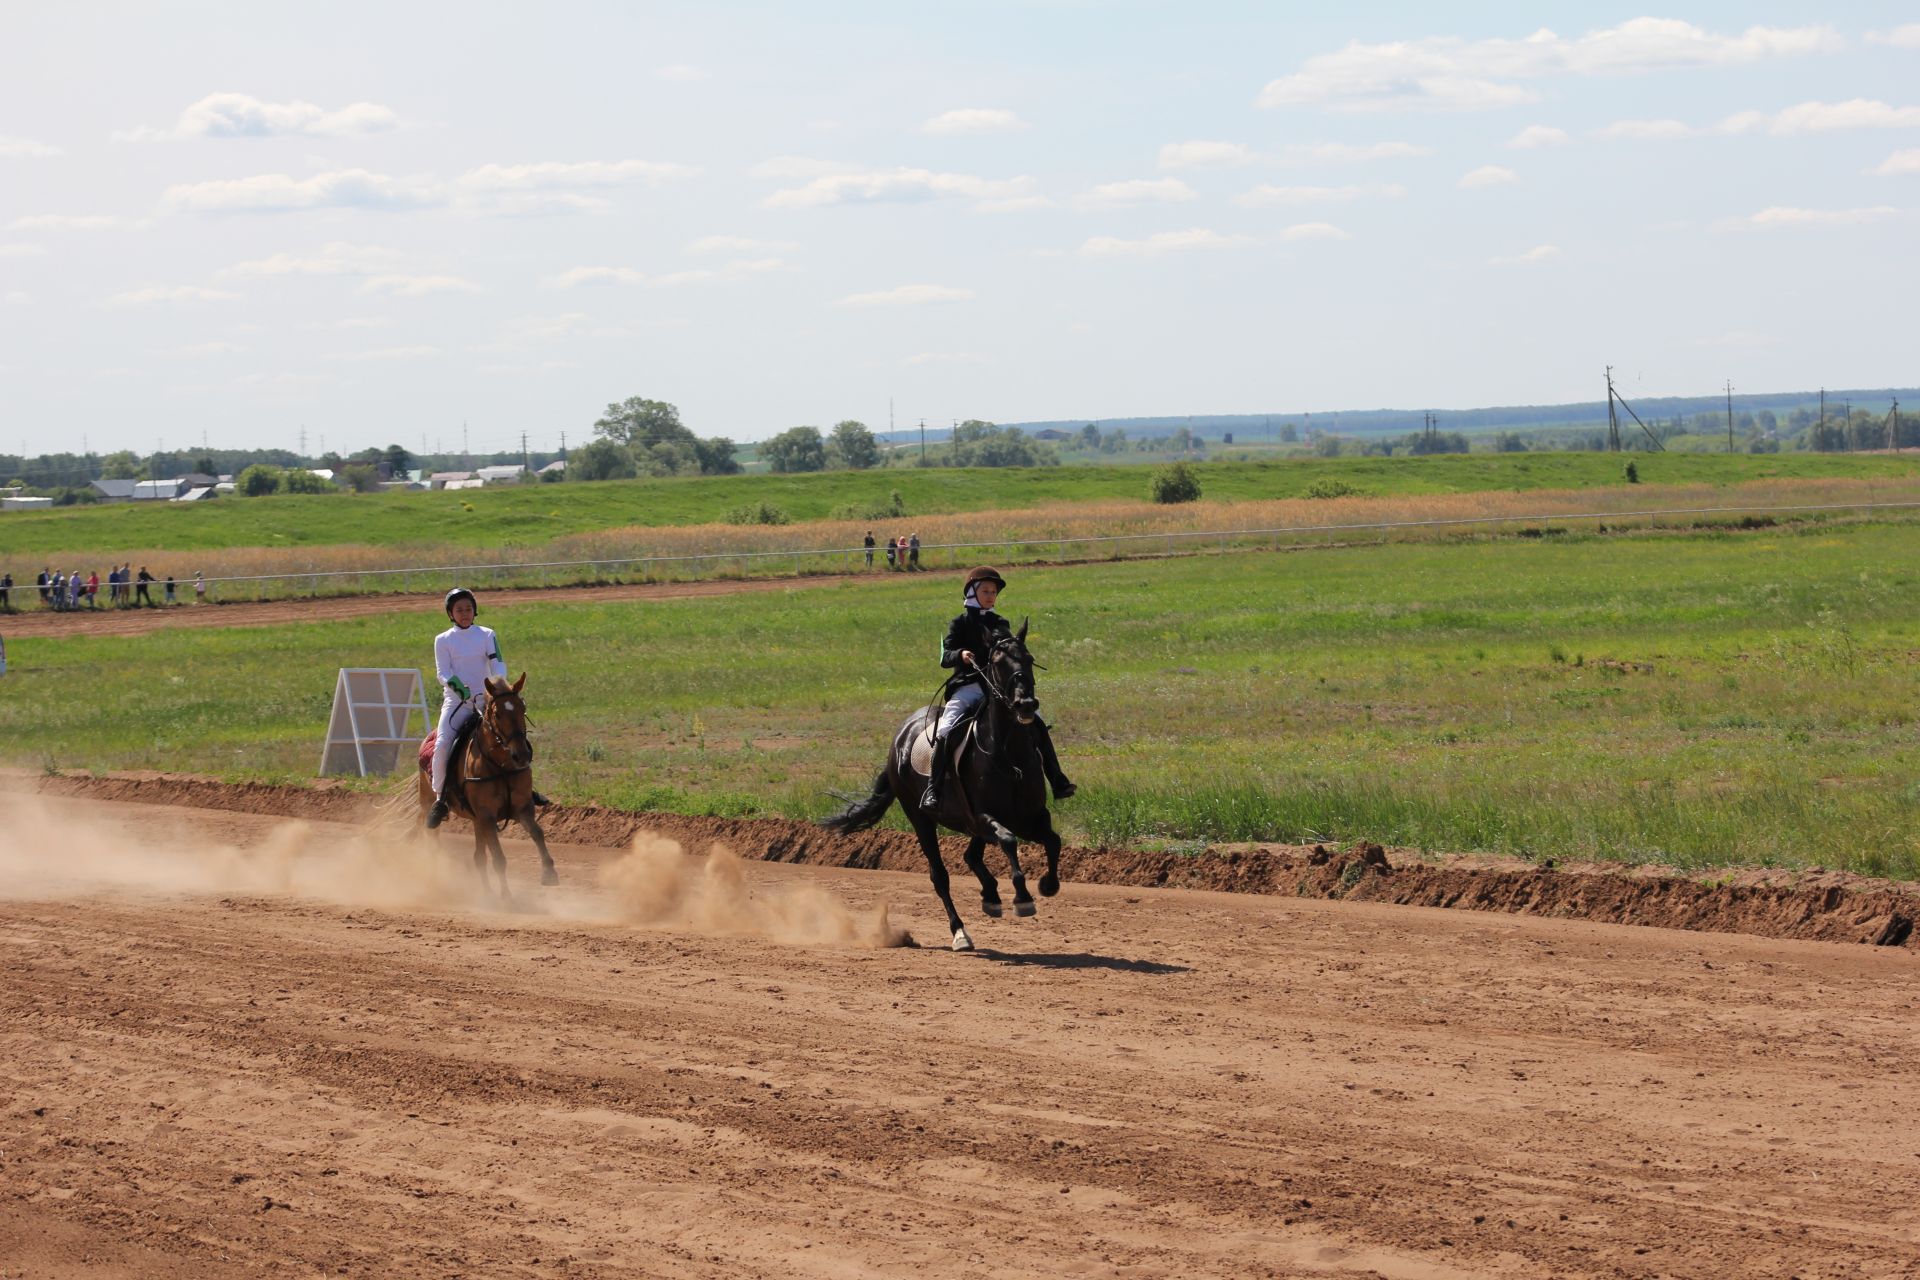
point(1080, 960)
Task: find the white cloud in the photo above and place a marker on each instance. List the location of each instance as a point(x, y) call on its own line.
point(681, 73)
point(739, 269)
point(381, 355)
point(788, 168)
point(1742, 339)
point(336, 258)
point(1535, 136)
point(404, 286)
point(1350, 153)
point(1013, 204)
point(907, 295)
point(1787, 216)
point(179, 293)
point(739, 244)
point(1448, 73)
point(1539, 255)
point(73, 222)
point(1267, 195)
point(1207, 155)
point(556, 176)
point(1138, 190)
point(1902, 37)
point(895, 185)
point(239, 115)
point(16, 297)
point(1163, 242)
point(210, 349)
point(596, 275)
point(277, 192)
point(974, 120)
point(1655, 130)
point(13, 147)
point(21, 249)
point(1488, 175)
point(943, 357)
point(1314, 231)
point(1900, 162)
point(1855, 113)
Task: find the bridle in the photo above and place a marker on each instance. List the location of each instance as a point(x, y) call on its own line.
point(505, 743)
point(986, 671)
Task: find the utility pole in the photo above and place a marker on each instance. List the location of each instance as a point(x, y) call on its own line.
point(1729, 415)
point(563, 445)
point(526, 463)
point(923, 442)
point(466, 455)
point(303, 440)
point(1823, 406)
point(1613, 417)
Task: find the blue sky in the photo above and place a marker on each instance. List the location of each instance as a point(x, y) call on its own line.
point(378, 222)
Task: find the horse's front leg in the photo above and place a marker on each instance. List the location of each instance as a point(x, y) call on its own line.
point(1023, 904)
point(989, 887)
point(487, 842)
point(937, 872)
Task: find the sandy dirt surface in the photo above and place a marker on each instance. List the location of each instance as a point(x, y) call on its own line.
point(238, 1045)
point(34, 621)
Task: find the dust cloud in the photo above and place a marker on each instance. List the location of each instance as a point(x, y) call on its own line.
point(49, 850)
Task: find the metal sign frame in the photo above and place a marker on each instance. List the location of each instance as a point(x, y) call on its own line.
point(371, 708)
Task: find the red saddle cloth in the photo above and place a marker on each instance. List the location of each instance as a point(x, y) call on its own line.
point(426, 748)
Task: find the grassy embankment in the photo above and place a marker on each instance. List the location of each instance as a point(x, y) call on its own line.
point(1702, 700)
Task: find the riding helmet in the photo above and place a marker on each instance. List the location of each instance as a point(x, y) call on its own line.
point(985, 573)
point(455, 594)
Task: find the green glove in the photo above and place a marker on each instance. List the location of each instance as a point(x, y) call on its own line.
point(459, 686)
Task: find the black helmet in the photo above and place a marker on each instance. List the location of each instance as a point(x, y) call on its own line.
point(456, 594)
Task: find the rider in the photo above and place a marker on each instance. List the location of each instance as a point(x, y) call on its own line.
point(969, 643)
point(464, 655)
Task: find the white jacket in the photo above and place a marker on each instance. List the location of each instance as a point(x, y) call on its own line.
point(472, 655)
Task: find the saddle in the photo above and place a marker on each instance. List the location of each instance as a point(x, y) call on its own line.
point(920, 746)
point(461, 736)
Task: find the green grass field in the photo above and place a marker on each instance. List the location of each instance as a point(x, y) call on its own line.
point(1695, 699)
point(530, 516)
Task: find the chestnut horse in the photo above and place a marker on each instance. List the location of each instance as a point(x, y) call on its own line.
point(490, 782)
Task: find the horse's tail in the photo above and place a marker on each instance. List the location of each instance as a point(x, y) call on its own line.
point(862, 814)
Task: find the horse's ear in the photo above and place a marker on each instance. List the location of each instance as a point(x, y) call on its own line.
point(1022, 637)
point(520, 683)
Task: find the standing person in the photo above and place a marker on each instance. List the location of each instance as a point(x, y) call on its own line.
point(41, 582)
point(6, 594)
point(869, 546)
point(141, 593)
point(199, 587)
point(76, 587)
point(969, 640)
point(892, 550)
point(93, 587)
point(913, 553)
point(113, 586)
point(3, 655)
point(170, 591)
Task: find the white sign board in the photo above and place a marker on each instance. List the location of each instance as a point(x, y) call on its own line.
point(367, 732)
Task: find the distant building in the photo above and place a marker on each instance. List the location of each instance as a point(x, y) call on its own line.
point(1054, 433)
point(158, 490)
point(499, 475)
point(557, 467)
point(26, 504)
point(199, 493)
point(441, 479)
point(114, 490)
point(472, 482)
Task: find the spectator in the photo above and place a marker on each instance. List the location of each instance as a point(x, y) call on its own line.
point(869, 546)
point(199, 588)
point(901, 544)
point(113, 586)
point(43, 588)
point(93, 587)
point(170, 600)
point(892, 548)
point(6, 594)
point(3, 656)
point(913, 553)
point(76, 587)
point(140, 591)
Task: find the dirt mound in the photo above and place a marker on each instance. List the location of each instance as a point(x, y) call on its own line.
point(1811, 906)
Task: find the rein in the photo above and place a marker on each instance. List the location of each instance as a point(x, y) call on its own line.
point(504, 743)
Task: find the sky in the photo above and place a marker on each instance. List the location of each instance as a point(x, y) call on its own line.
point(360, 224)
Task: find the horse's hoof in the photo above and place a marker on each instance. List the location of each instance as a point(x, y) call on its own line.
point(1025, 908)
point(549, 877)
point(992, 908)
point(1049, 885)
point(961, 942)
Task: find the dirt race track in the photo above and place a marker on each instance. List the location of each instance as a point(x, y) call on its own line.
point(236, 1045)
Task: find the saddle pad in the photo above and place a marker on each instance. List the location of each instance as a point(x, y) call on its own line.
point(426, 748)
point(920, 751)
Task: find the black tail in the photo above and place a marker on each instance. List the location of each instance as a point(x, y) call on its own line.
point(862, 814)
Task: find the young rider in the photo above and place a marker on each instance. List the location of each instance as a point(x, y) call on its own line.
point(968, 644)
point(464, 655)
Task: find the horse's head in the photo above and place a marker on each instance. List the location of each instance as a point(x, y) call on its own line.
point(505, 719)
point(1012, 668)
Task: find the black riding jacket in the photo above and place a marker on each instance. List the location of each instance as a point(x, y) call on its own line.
point(974, 630)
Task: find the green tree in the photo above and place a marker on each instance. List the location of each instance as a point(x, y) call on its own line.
point(1177, 483)
point(398, 462)
point(796, 449)
point(300, 480)
point(257, 481)
point(853, 446)
point(601, 460)
point(716, 456)
point(641, 422)
point(360, 477)
point(1289, 434)
point(121, 466)
point(1090, 436)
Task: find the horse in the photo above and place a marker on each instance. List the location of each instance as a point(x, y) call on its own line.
point(491, 780)
point(996, 791)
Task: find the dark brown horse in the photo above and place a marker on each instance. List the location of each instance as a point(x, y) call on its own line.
point(490, 781)
point(997, 792)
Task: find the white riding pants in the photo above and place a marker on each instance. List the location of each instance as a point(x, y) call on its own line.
point(959, 707)
point(453, 713)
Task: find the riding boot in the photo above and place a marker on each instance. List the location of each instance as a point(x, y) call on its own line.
point(541, 800)
point(936, 775)
point(1050, 761)
point(438, 814)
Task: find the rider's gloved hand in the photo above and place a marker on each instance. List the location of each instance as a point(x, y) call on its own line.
point(459, 686)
